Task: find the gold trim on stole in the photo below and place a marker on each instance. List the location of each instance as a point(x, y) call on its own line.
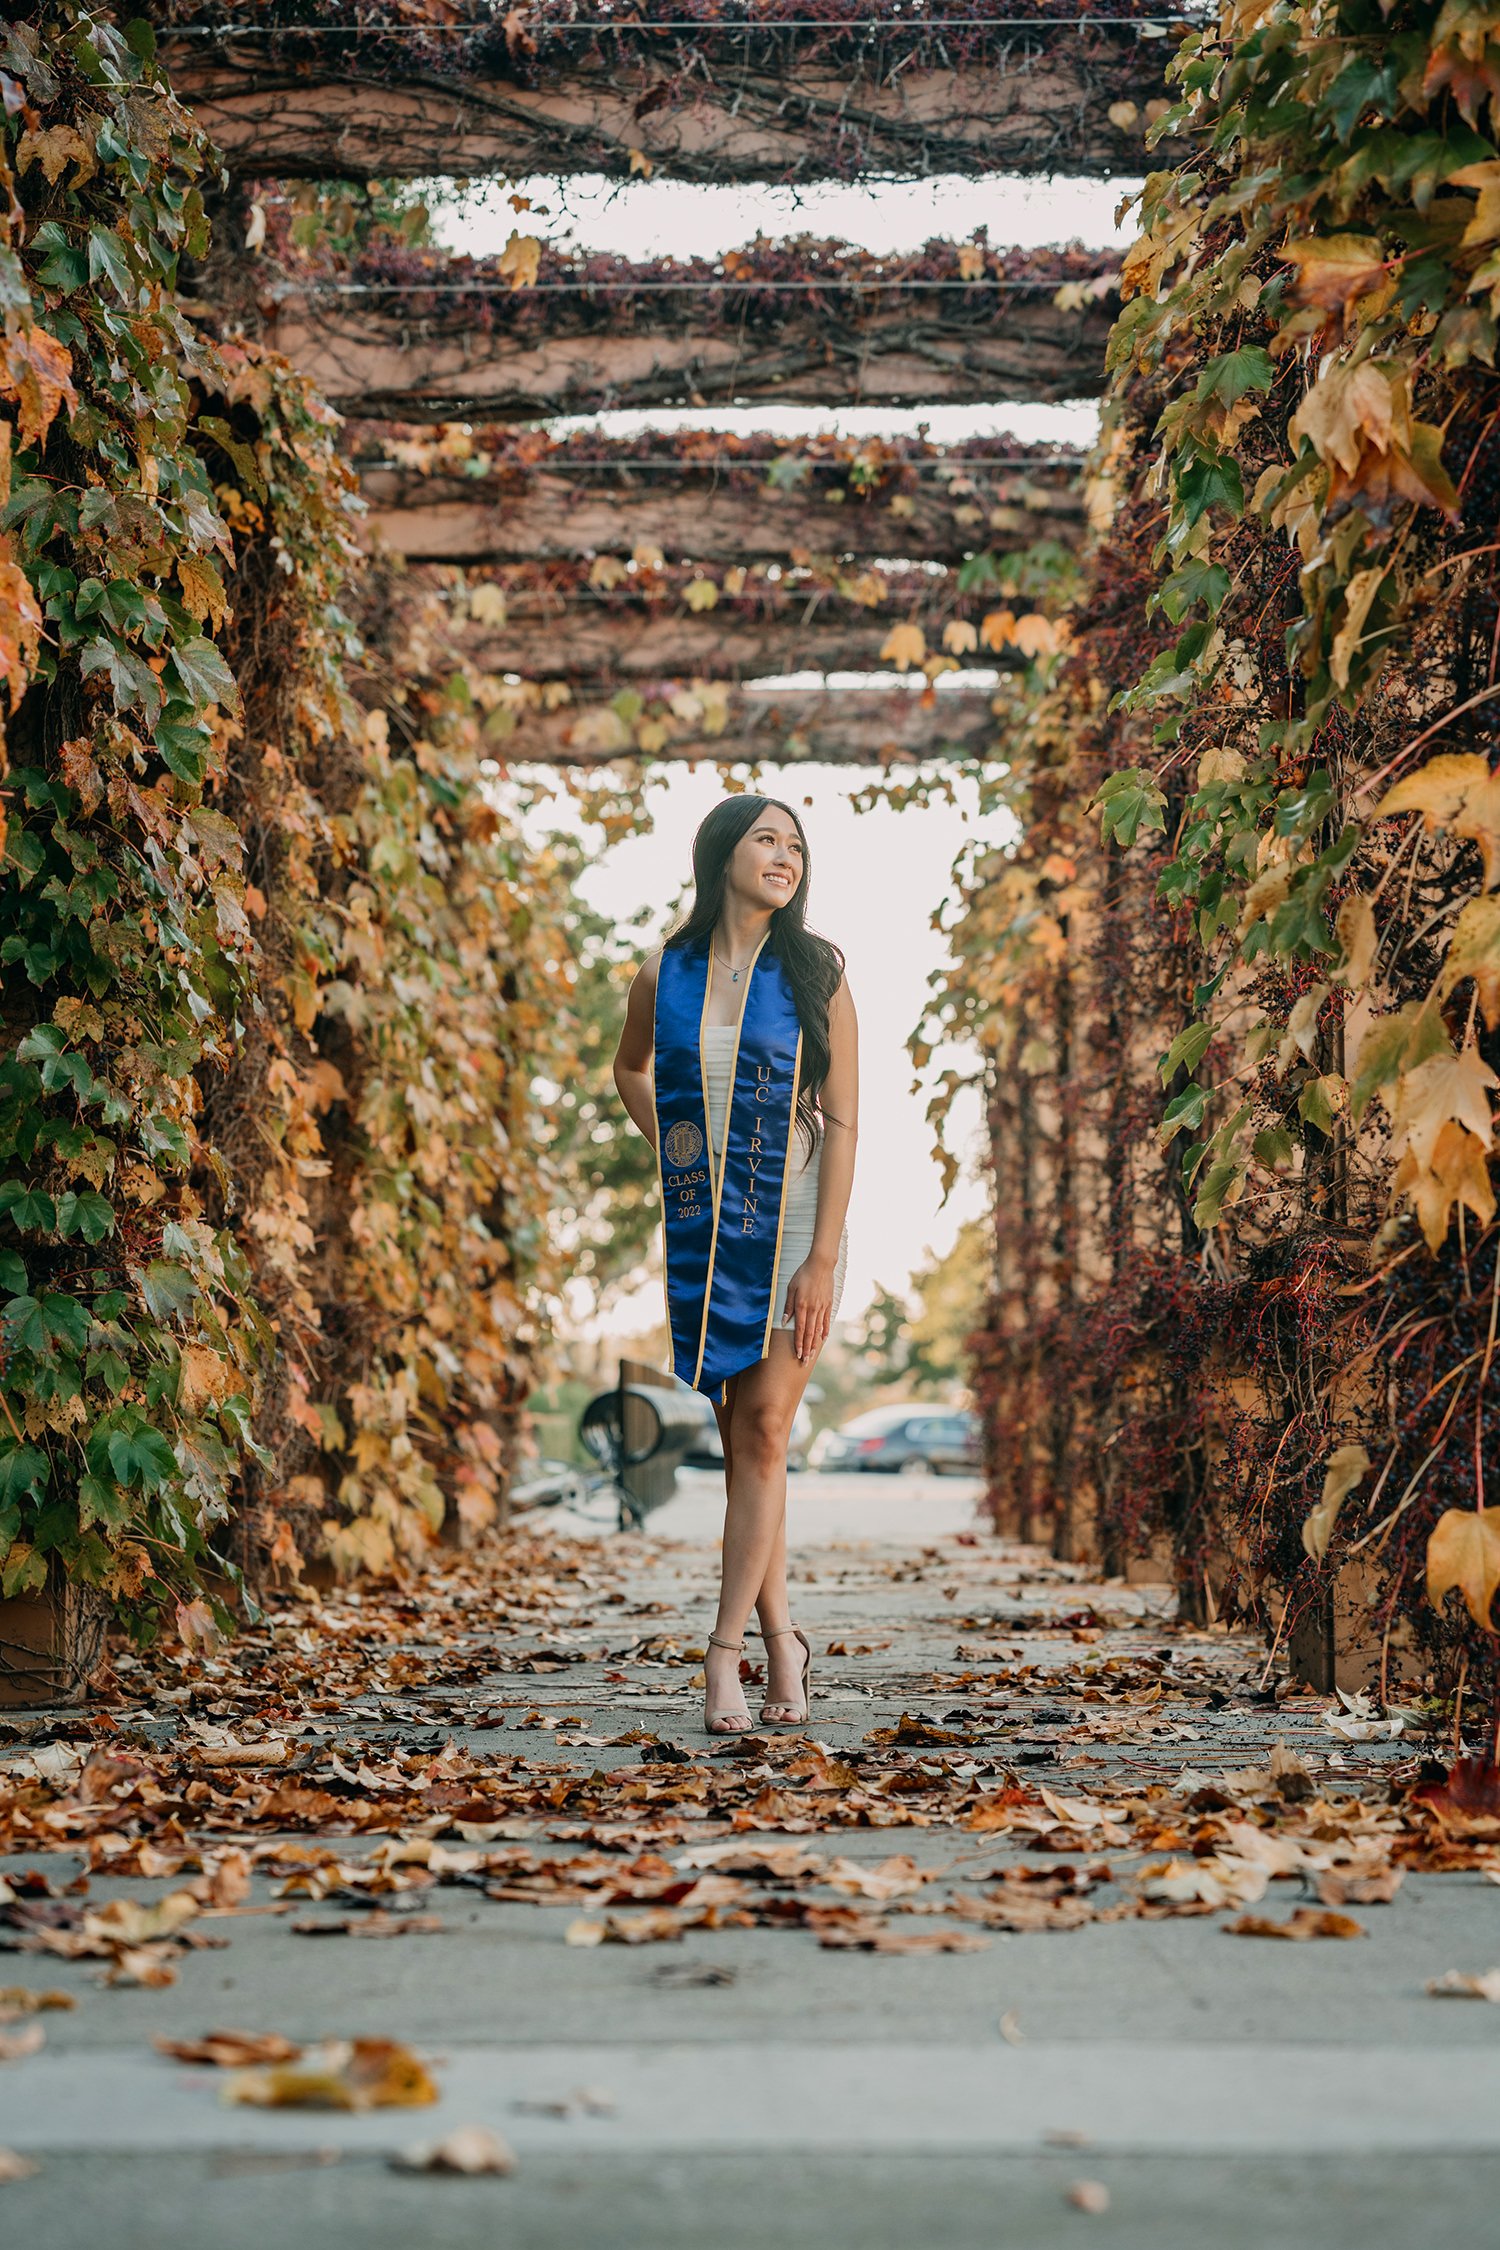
point(786, 1183)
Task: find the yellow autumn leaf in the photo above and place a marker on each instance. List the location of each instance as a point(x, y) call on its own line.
point(959, 637)
point(1464, 1551)
point(1122, 115)
point(520, 260)
point(606, 572)
point(203, 595)
point(1359, 599)
point(903, 646)
point(997, 628)
point(1445, 1088)
point(1458, 1174)
point(970, 261)
point(1348, 409)
point(701, 594)
point(646, 555)
point(1343, 1473)
point(1474, 951)
point(1458, 792)
point(1356, 932)
point(1334, 269)
point(487, 604)
point(1038, 636)
point(640, 163)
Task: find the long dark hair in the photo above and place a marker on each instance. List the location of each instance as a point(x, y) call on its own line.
point(814, 965)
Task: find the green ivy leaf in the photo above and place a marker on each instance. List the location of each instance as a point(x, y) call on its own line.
point(24, 1469)
point(169, 1290)
point(27, 1206)
point(204, 675)
point(85, 1213)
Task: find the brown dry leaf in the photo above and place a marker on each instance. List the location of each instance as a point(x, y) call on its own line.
point(1466, 1800)
point(342, 2074)
point(470, 2149)
point(520, 260)
point(1022, 1906)
point(892, 1878)
point(1306, 1922)
point(1375, 1888)
point(37, 371)
point(375, 1925)
point(20, 2000)
point(231, 2050)
point(653, 1926)
point(127, 1921)
point(16, 2167)
point(1456, 1984)
point(1464, 1551)
point(1336, 268)
point(845, 1929)
point(16, 2045)
point(149, 1965)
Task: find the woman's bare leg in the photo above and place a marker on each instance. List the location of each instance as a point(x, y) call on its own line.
point(765, 1401)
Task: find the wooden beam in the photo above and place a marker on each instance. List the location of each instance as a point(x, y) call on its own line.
point(775, 104)
point(836, 726)
point(805, 324)
point(600, 643)
point(544, 513)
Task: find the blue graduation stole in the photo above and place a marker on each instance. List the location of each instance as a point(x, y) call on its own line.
point(723, 1208)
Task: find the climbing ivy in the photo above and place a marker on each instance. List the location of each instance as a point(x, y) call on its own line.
point(130, 1334)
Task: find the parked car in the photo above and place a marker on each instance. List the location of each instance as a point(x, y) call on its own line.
point(707, 1450)
point(915, 1439)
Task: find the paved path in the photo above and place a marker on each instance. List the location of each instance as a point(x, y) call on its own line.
point(743, 2084)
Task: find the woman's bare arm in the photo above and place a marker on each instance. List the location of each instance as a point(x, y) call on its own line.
point(809, 1293)
point(634, 1080)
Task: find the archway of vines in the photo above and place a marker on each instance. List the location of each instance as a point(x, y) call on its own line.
point(285, 966)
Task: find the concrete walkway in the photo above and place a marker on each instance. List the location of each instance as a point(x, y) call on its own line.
point(1129, 2082)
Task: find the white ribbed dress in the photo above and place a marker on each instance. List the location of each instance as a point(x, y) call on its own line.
point(802, 1189)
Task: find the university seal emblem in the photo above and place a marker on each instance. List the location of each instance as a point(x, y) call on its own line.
point(683, 1144)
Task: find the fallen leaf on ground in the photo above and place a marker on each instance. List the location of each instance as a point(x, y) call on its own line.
point(1016, 1906)
point(1456, 1984)
point(1306, 1922)
point(1204, 1883)
point(16, 2167)
point(846, 1929)
point(231, 2050)
point(20, 2000)
point(126, 1921)
point(149, 1965)
point(891, 1878)
point(1089, 2195)
point(376, 1925)
point(1377, 1888)
point(470, 2149)
point(340, 2074)
point(16, 2045)
point(1010, 2029)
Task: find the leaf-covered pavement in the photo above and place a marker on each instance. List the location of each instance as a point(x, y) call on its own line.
point(502, 1766)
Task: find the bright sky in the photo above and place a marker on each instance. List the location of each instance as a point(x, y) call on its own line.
point(878, 877)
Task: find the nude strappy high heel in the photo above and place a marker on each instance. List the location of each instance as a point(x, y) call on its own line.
point(779, 1703)
point(717, 1722)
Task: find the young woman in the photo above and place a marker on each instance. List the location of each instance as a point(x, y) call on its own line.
point(739, 1062)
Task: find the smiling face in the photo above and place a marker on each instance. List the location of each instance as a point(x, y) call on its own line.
point(767, 865)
